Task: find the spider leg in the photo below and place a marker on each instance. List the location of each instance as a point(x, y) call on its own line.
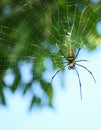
point(64, 62)
point(57, 73)
point(79, 83)
point(82, 60)
point(87, 70)
point(77, 52)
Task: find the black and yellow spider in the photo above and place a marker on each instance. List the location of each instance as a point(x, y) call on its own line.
point(71, 62)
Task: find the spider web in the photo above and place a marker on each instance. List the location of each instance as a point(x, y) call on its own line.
point(29, 32)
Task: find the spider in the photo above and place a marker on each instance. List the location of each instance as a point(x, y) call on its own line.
point(71, 62)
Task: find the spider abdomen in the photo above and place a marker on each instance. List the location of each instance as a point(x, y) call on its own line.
point(70, 54)
point(69, 58)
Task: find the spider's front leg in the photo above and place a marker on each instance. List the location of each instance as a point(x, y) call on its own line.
point(77, 52)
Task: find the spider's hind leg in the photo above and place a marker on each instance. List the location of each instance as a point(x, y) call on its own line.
point(87, 70)
point(79, 83)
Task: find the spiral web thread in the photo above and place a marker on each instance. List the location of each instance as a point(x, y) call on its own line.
point(31, 38)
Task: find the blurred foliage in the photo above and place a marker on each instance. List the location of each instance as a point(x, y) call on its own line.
point(29, 31)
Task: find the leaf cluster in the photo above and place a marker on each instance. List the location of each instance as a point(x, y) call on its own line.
point(29, 31)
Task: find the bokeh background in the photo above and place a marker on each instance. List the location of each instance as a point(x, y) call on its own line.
point(29, 57)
